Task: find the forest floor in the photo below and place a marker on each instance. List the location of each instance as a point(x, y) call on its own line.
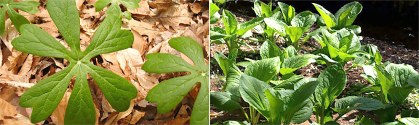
point(153, 24)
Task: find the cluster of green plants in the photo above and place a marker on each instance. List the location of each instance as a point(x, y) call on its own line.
point(291, 98)
point(45, 96)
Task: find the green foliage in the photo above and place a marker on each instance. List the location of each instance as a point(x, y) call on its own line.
point(17, 19)
point(225, 101)
point(264, 69)
point(292, 26)
point(338, 47)
point(332, 81)
point(168, 94)
point(290, 60)
point(394, 81)
point(214, 15)
point(346, 104)
point(130, 4)
point(47, 94)
point(278, 106)
point(343, 18)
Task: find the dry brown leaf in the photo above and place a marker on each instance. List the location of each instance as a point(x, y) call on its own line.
point(9, 34)
point(7, 111)
point(24, 69)
point(112, 64)
point(142, 28)
point(50, 28)
point(130, 56)
point(183, 112)
point(178, 121)
point(57, 116)
point(161, 5)
point(175, 15)
point(87, 26)
point(137, 115)
point(143, 10)
point(140, 43)
point(195, 7)
point(116, 116)
point(79, 3)
point(43, 15)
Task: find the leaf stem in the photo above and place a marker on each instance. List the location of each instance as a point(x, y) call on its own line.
point(244, 112)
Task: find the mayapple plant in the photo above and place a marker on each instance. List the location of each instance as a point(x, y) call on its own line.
point(168, 94)
point(17, 19)
point(47, 94)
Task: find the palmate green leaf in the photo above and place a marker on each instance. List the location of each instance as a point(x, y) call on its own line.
point(168, 94)
point(17, 19)
point(225, 101)
point(346, 104)
point(38, 42)
point(2, 19)
point(47, 94)
point(264, 69)
point(82, 104)
point(66, 24)
point(332, 81)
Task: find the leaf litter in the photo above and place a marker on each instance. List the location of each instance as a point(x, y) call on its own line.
point(153, 24)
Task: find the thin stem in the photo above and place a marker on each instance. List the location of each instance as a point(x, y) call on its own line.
point(309, 120)
point(244, 112)
point(322, 116)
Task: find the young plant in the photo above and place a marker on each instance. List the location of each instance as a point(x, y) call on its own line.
point(338, 47)
point(47, 94)
point(232, 33)
point(265, 10)
point(290, 60)
point(293, 26)
point(278, 106)
point(263, 70)
point(392, 83)
point(130, 4)
point(343, 18)
point(168, 94)
point(17, 19)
